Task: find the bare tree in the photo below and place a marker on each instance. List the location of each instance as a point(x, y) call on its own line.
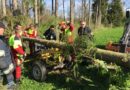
point(89, 18)
point(3, 7)
point(24, 9)
point(56, 8)
point(63, 9)
point(72, 2)
point(53, 7)
point(15, 4)
point(36, 11)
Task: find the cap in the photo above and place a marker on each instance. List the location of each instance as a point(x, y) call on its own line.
point(2, 25)
point(62, 23)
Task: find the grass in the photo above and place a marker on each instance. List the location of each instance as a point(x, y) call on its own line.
point(104, 35)
point(58, 81)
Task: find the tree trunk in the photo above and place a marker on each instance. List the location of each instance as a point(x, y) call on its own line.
point(82, 6)
point(15, 4)
point(64, 9)
point(99, 14)
point(36, 12)
point(72, 11)
point(89, 18)
point(53, 7)
point(56, 8)
point(24, 11)
point(122, 59)
point(3, 7)
point(85, 11)
point(51, 43)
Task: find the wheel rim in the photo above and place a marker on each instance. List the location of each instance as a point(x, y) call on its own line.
point(36, 72)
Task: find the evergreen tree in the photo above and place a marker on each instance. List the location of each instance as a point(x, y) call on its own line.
point(99, 15)
point(115, 13)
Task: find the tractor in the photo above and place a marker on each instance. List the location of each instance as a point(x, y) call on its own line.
point(124, 43)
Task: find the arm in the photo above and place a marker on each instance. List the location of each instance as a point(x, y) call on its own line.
point(46, 33)
point(79, 31)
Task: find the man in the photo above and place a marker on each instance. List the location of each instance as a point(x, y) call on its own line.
point(32, 33)
point(71, 26)
point(17, 50)
point(85, 30)
point(50, 33)
point(6, 60)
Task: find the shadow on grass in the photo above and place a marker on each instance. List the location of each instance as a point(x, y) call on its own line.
point(59, 81)
point(92, 80)
point(100, 46)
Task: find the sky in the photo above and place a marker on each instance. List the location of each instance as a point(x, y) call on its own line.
point(126, 3)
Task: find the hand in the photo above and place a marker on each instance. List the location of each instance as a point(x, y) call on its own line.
point(25, 54)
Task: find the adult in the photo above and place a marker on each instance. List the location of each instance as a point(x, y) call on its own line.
point(6, 60)
point(50, 33)
point(32, 33)
point(84, 30)
point(17, 50)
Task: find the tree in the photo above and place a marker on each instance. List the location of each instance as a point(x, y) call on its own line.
point(115, 14)
point(53, 7)
point(3, 7)
point(63, 9)
point(72, 2)
point(15, 4)
point(24, 7)
point(100, 11)
point(89, 18)
point(56, 8)
point(36, 11)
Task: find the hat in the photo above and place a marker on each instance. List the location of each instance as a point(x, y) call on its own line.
point(62, 23)
point(2, 25)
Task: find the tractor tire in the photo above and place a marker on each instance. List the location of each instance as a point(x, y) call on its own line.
point(39, 71)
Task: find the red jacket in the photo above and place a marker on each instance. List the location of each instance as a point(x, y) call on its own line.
point(16, 45)
point(71, 27)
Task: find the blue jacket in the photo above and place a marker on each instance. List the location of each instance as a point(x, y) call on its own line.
point(5, 54)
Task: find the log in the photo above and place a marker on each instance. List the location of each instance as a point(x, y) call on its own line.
point(122, 59)
point(51, 43)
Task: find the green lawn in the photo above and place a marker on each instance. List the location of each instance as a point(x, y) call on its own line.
point(58, 81)
point(104, 35)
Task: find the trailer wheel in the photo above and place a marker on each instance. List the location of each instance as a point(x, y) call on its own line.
point(39, 71)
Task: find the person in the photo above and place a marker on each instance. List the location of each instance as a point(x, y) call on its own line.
point(6, 60)
point(32, 33)
point(62, 27)
point(50, 33)
point(68, 31)
point(71, 26)
point(85, 30)
point(17, 50)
